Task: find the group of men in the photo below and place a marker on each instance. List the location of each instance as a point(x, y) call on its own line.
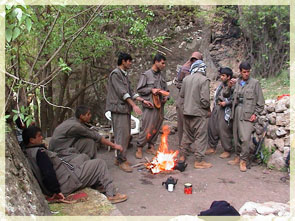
point(237, 103)
point(71, 161)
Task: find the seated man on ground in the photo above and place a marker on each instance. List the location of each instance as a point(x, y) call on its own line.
point(62, 177)
point(74, 133)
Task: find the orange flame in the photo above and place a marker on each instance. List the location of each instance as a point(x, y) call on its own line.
point(165, 160)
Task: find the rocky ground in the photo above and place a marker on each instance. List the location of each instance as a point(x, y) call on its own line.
point(147, 196)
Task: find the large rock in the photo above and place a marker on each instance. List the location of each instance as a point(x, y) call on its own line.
point(276, 160)
point(271, 131)
point(270, 105)
point(280, 132)
point(282, 119)
point(265, 209)
point(272, 118)
point(281, 105)
point(23, 196)
point(287, 141)
point(279, 143)
point(269, 144)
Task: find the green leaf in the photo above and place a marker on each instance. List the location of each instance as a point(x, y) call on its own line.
point(8, 7)
point(15, 111)
point(7, 116)
point(8, 34)
point(21, 116)
point(16, 33)
point(15, 117)
point(29, 24)
point(19, 13)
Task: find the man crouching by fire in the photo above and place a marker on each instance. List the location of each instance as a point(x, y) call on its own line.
point(196, 111)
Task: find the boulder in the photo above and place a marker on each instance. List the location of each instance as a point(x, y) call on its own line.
point(276, 160)
point(265, 209)
point(269, 144)
point(270, 105)
point(271, 131)
point(279, 143)
point(282, 119)
point(280, 132)
point(281, 105)
point(272, 118)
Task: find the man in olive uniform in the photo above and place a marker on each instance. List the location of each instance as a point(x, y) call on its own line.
point(183, 72)
point(120, 102)
point(59, 176)
point(196, 110)
point(248, 102)
point(220, 125)
point(150, 84)
point(74, 132)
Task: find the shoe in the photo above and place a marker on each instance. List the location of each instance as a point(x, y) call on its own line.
point(236, 161)
point(118, 198)
point(151, 150)
point(202, 165)
point(125, 167)
point(243, 166)
point(138, 153)
point(210, 151)
point(224, 155)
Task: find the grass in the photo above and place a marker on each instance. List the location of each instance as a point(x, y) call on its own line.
point(273, 87)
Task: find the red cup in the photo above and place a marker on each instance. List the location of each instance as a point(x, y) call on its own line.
point(188, 188)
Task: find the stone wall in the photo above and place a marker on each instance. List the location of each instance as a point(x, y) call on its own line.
point(277, 139)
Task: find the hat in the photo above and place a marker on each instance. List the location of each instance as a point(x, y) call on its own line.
point(198, 66)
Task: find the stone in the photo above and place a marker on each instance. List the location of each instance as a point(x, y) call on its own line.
point(287, 141)
point(279, 143)
point(282, 119)
point(281, 132)
point(265, 209)
point(262, 120)
point(272, 118)
point(178, 29)
point(271, 131)
point(276, 160)
point(281, 106)
point(182, 44)
point(270, 105)
point(286, 152)
point(269, 143)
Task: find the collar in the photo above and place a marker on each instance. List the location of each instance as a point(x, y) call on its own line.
point(36, 146)
point(124, 72)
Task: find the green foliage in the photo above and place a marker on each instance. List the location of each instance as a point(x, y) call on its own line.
point(171, 101)
point(266, 154)
point(267, 31)
point(17, 20)
point(281, 83)
point(24, 114)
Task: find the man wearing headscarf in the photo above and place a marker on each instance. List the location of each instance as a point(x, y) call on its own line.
point(220, 126)
point(183, 72)
point(196, 110)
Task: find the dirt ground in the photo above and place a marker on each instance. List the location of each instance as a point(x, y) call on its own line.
point(147, 196)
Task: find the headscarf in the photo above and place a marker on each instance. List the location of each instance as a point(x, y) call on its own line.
point(184, 71)
point(198, 66)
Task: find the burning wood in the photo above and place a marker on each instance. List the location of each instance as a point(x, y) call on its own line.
point(165, 160)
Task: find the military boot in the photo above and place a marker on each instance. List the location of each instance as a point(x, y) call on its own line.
point(243, 166)
point(224, 155)
point(202, 165)
point(125, 167)
point(210, 151)
point(236, 161)
point(151, 150)
point(138, 153)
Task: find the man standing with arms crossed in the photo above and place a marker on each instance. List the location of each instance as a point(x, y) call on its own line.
point(150, 84)
point(248, 102)
point(120, 102)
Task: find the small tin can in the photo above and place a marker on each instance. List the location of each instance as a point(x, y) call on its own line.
point(188, 188)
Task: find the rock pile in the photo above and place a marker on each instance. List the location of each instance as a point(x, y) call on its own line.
point(277, 140)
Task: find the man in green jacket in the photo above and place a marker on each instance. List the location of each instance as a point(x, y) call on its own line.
point(248, 103)
point(196, 110)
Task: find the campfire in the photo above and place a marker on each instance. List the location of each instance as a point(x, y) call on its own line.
point(164, 160)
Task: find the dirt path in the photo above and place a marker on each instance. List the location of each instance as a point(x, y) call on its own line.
point(147, 196)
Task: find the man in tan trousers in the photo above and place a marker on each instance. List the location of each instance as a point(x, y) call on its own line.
point(196, 110)
point(120, 102)
point(150, 84)
point(248, 102)
point(183, 72)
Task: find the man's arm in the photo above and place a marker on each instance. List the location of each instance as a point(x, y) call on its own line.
point(83, 131)
point(111, 144)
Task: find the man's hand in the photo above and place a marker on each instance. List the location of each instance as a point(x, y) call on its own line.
point(118, 147)
point(137, 110)
point(232, 82)
point(222, 103)
point(155, 91)
point(252, 118)
point(209, 114)
point(148, 104)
